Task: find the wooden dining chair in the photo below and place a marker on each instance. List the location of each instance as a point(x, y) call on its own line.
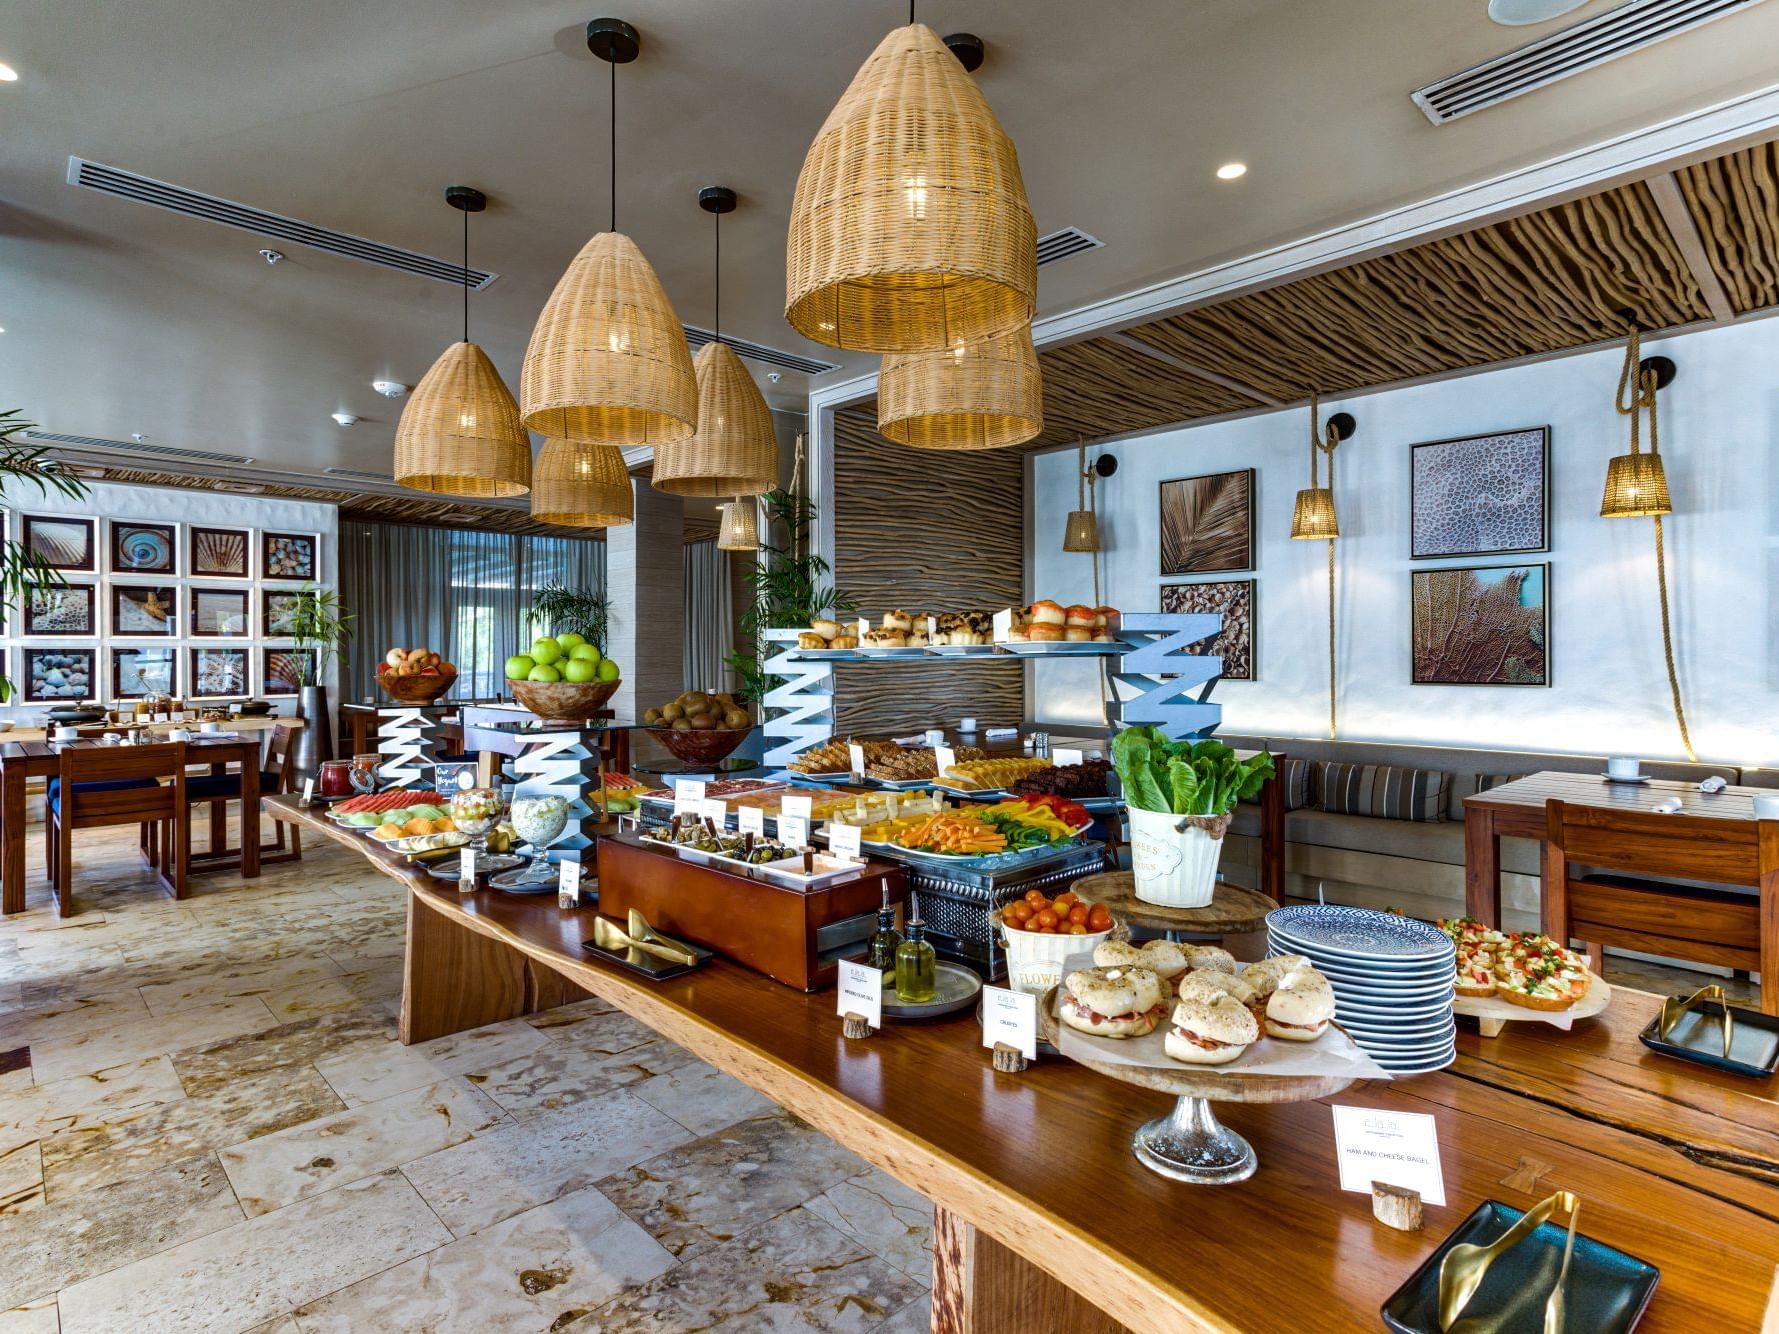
point(1626, 895)
point(277, 774)
point(118, 785)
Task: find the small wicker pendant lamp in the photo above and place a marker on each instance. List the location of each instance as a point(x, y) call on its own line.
point(460, 433)
point(984, 395)
point(579, 485)
point(1313, 518)
point(608, 362)
point(910, 228)
point(735, 450)
point(740, 530)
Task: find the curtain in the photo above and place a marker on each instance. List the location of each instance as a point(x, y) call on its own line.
point(459, 592)
point(710, 633)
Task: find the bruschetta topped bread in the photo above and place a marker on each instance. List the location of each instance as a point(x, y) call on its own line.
point(1522, 968)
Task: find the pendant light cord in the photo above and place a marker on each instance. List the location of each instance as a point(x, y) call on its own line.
point(465, 275)
point(716, 225)
point(614, 65)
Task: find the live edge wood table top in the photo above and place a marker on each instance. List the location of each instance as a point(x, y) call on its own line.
point(1676, 1164)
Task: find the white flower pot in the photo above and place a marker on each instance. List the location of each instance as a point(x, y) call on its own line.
point(1173, 858)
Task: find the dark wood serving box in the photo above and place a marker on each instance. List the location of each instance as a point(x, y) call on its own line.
point(794, 936)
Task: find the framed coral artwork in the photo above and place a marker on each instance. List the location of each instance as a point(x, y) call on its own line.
point(1482, 495)
point(1233, 600)
point(1481, 625)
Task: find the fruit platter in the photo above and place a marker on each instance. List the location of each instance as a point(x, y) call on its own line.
point(1011, 826)
point(393, 799)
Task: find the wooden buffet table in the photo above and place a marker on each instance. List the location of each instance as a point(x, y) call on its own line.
point(1044, 1221)
point(1516, 810)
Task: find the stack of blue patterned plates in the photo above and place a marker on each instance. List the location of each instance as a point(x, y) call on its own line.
point(1392, 978)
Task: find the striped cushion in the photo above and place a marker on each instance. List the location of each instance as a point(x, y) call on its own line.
point(1486, 781)
point(1384, 791)
point(1298, 776)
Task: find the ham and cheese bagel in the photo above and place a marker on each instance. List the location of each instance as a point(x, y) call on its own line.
point(1210, 1032)
point(1112, 1002)
point(1165, 959)
point(1264, 976)
point(1116, 954)
point(1300, 1006)
point(1209, 958)
point(1205, 985)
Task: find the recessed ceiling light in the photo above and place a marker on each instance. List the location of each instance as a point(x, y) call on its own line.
point(345, 418)
point(389, 388)
point(1515, 13)
point(8, 74)
point(1230, 171)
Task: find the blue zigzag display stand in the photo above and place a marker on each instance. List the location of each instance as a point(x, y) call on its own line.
point(806, 701)
point(405, 737)
point(562, 764)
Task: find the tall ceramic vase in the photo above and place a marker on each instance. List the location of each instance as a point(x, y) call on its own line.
point(1173, 858)
point(315, 738)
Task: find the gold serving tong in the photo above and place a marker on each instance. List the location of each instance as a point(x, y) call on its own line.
point(1672, 1010)
point(640, 939)
point(1465, 1265)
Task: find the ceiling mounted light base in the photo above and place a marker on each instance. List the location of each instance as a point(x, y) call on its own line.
point(465, 198)
point(968, 49)
point(1341, 426)
point(716, 199)
point(1663, 368)
point(613, 41)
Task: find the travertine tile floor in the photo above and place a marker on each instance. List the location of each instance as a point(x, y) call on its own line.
point(206, 1123)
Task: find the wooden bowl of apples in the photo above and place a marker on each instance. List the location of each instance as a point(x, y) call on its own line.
point(415, 675)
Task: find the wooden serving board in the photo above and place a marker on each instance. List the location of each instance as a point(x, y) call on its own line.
point(1492, 1014)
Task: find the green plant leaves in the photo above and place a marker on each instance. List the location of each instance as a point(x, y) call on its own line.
point(1185, 777)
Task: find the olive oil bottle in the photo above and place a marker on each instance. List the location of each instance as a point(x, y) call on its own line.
point(886, 940)
point(917, 967)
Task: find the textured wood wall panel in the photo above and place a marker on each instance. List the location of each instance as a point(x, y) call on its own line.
point(926, 531)
point(1734, 201)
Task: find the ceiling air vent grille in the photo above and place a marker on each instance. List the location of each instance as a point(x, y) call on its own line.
point(1060, 245)
point(133, 449)
point(1581, 46)
point(360, 474)
point(210, 208)
point(772, 356)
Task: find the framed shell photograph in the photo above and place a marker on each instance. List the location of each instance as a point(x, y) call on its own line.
point(63, 543)
point(1233, 600)
point(278, 609)
point(1480, 495)
point(220, 613)
point(290, 556)
point(60, 610)
point(218, 553)
point(143, 548)
point(56, 675)
point(218, 673)
point(144, 609)
point(137, 673)
point(1207, 523)
point(284, 670)
point(1481, 625)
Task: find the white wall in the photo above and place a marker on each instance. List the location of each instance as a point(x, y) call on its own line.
point(1608, 690)
point(107, 500)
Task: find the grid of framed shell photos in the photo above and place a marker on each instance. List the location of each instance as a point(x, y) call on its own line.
point(151, 606)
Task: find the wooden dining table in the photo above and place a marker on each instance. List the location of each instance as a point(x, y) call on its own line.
point(1516, 810)
point(1044, 1220)
point(21, 761)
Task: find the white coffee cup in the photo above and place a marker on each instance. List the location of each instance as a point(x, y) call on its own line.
point(65, 733)
point(966, 724)
point(209, 727)
point(935, 736)
point(1766, 806)
point(6, 724)
point(1624, 766)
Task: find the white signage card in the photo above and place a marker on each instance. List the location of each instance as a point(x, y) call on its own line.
point(861, 992)
point(857, 752)
point(714, 809)
point(800, 805)
point(793, 831)
point(932, 629)
point(1396, 1148)
point(568, 883)
point(1010, 1017)
point(308, 791)
point(1003, 622)
point(861, 628)
point(750, 820)
point(943, 758)
point(843, 840)
point(466, 867)
point(685, 805)
point(1063, 755)
point(688, 789)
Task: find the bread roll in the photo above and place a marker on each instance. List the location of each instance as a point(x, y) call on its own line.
point(1048, 613)
point(824, 627)
point(1041, 632)
point(1079, 615)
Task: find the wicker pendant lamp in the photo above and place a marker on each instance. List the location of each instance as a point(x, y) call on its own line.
point(910, 228)
point(460, 433)
point(735, 450)
point(740, 530)
point(579, 485)
point(984, 395)
point(607, 362)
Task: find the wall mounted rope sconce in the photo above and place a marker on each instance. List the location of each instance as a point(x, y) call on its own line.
point(1314, 517)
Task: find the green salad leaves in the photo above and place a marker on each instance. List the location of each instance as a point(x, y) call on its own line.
point(1185, 777)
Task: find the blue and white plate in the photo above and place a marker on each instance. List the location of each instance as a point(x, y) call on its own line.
point(1440, 972)
point(1381, 967)
point(1358, 933)
point(1420, 1015)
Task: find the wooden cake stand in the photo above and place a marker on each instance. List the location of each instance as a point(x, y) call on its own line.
point(1189, 1144)
point(1233, 911)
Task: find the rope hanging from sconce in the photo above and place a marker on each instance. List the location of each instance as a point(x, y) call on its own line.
point(1637, 390)
point(1325, 443)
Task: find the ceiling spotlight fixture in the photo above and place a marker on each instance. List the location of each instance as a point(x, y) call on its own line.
point(389, 388)
point(345, 419)
point(1518, 13)
point(608, 361)
point(271, 256)
point(8, 74)
point(137, 436)
point(1232, 171)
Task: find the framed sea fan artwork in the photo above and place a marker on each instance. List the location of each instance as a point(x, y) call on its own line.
point(1482, 495)
point(284, 670)
point(143, 548)
point(140, 672)
point(1481, 625)
point(1233, 600)
point(218, 553)
point(64, 543)
point(1207, 523)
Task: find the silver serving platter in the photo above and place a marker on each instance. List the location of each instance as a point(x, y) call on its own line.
point(957, 987)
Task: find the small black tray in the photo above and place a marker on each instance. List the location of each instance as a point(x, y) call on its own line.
point(1605, 1293)
point(1697, 1036)
point(656, 968)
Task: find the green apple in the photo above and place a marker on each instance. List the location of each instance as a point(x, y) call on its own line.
point(543, 672)
point(570, 641)
point(579, 670)
point(585, 652)
point(608, 670)
point(519, 666)
point(546, 650)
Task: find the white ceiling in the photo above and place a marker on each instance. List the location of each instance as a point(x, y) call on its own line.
point(355, 115)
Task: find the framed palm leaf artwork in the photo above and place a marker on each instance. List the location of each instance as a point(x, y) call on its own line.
point(1207, 523)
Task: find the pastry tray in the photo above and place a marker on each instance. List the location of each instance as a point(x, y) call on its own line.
point(1697, 1036)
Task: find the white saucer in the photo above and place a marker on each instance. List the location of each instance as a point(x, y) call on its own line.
point(1634, 778)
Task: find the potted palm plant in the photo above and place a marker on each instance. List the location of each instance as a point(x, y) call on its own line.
point(22, 569)
point(321, 628)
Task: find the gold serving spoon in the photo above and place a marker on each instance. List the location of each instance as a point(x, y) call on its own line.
point(1672, 1010)
point(608, 935)
point(1553, 1309)
point(1465, 1265)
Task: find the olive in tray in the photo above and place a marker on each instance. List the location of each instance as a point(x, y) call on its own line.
point(1087, 779)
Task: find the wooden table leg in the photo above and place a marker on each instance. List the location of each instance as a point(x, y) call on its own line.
point(250, 815)
point(1272, 833)
point(1482, 866)
point(219, 819)
point(982, 1287)
point(12, 838)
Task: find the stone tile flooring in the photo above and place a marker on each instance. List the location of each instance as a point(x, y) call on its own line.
point(206, 1124)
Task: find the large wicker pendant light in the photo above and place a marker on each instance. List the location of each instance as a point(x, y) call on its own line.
point(735, 451)
point(460, 433)
point(578, 485)
point(982, 395)
point(910, 228)
point(608, 362)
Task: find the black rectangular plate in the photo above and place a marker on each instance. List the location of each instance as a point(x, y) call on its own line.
point(658, 969)
point(1696, 1037)
point(1605, 1293)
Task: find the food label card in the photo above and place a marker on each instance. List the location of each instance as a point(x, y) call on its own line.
point(1010, 1017)
point(308, 792)
point(466, 868)
point(1396, 1148)
point(568, 883)
point(944, 757)
point(861, 992)
point(750, 820)
point(802, 807)
point(688, 789)
point(843, 840)
point(714, 809)
point(857, 752)
point(793, 831)
point(1063, 755)
point(1003, 623)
